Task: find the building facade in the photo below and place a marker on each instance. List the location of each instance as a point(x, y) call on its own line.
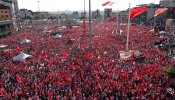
point(123, 16)
point(5, 13)
point(40, 15)
point(25, 14)
point(9, 16)
point(167, 3)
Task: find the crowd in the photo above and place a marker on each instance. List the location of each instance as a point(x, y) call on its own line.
point(66, 68)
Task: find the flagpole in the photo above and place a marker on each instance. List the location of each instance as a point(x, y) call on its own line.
point(84, 10)
point(58, 23)
point(127, 41)
point(90, 26)
point(117, 20)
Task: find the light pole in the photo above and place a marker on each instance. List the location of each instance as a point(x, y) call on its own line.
point(39, 11)
point(127, 41)
point(90, 26)
point(84, 10)
point(58, 22)
point(39, 5)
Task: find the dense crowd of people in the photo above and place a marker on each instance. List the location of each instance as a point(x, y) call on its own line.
point(66, 68)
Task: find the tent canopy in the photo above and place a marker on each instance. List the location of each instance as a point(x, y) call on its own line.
point(21, 57)
point(25, 41)
point(57, 36)
point(3, 46)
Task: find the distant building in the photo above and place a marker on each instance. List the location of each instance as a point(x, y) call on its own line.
point(167, 3)
point(41, 15)
point(75, 15)
point(25, 14)
point(170, 4)
point(108, 13)
point(83, 15)
point(123, 16)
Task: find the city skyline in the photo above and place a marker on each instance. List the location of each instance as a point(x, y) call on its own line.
point(67, 5)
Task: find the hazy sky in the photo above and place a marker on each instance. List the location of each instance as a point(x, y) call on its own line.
point(73, 5)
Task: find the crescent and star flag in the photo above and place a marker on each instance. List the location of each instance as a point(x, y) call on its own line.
point(108, 3)
point(137, 11)
point(159, 11)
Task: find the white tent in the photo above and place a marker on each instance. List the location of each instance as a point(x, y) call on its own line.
point(21, 57)
point(125, 55)
point(3, 46)
point(57, 36)
point(162, 32)
point(152, 30)
point(25, 41)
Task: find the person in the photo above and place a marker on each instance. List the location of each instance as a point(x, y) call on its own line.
point(84, 26)
point(156, 29)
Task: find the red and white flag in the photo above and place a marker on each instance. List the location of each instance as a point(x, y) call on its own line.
point(137, 11)
point(159, 11)
point(108, 3)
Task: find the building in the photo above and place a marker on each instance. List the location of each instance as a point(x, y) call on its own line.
point(25, 14)
point(6, 23)
point(108, 13)
point(9, 16)
point(75, 15)
point(167, 3)
point(40, 15)
point(5, 13)
point(123, 16)
point(170, 4)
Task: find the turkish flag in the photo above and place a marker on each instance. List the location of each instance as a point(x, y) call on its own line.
point(89, 55)
point(18, 78)
point(137, 11)
point(132, 57)
point(108, 3)
point(159, 11)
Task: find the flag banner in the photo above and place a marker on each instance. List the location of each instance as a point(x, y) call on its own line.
point(137, 11)
point(159, 11)
point(108, 3)
point(19, 79)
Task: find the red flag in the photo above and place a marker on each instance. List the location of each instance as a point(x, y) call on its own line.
point(159, 11)
point(137, 11)
point(84, 26)
point(89, 55)
point(132, 57)
point(18, 78)
point(2, 91)
point(108, 3)
point(65, 54)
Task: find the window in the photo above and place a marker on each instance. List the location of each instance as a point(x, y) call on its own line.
point(2, 16)
point(6, 12)
point(6, 16)
point(1, 11)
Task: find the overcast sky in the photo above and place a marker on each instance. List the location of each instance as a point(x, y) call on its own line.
point(73, 5)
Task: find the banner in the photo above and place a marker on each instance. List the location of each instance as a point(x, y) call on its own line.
point(137, 11)
point(108, 3)
point(159, 11)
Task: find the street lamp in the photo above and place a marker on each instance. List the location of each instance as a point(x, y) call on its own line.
point(90, 26)
point(84, 10)
point(39, 5)
point(127, 41)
